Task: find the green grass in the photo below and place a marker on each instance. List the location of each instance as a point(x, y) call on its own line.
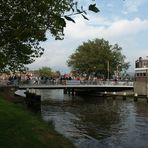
point(22, 129)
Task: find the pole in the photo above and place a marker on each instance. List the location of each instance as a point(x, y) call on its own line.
point(108, 70)
point(146, 83)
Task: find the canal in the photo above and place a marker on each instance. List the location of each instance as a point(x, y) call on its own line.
point(97, 122)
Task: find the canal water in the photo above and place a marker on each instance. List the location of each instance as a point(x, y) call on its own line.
point(97, 122)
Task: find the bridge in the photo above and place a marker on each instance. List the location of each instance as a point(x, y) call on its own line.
point(85, 87)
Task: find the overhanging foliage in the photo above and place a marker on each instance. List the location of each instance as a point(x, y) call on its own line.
point(23, 25)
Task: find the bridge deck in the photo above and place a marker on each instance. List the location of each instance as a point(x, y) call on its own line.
point(96, 87)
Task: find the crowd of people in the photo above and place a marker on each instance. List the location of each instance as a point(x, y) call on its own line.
point(18, 79)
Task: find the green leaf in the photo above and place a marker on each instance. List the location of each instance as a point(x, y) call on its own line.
point(79, 11)
point(85, 17)
point(93, 8)
point(69, 19)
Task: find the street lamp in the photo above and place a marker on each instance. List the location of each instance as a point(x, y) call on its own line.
point(118, 70)
point(108, 70)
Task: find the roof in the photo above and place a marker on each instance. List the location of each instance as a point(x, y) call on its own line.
point(140, 69)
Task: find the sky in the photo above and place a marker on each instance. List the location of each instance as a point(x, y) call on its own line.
point(124, 22)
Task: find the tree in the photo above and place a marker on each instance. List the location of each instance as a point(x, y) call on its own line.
point(45, 72)
point(97, 58)
point(56, 74)
point(24, 24)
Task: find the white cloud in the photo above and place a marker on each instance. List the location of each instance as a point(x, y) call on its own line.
point(55, 55)
point(132, 5)
point(126, 27)
point(122, 31)
point(102, 28)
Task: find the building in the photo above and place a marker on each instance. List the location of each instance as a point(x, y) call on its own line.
point(141, 76)
point(141, 63)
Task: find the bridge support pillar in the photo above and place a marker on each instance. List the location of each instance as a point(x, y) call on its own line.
point(69, 91)
point(65, 90)
point(72, 92)
point(146, 99)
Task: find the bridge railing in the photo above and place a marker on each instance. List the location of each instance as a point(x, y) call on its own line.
point(100, 82)
point(65, 82)
point(76, 82)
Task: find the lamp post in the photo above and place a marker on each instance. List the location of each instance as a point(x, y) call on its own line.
point(147, 79)
point(108, 70)
point(118, 70)
point(147, 83)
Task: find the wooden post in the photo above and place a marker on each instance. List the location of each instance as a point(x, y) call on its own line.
point(124, 96)
point(105, 94)
point(114, 95)
point(135, 97)
point(33, 100)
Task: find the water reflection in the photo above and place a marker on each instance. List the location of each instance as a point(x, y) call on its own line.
point(95, 122)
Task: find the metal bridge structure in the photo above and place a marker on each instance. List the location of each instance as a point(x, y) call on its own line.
point(75, 85)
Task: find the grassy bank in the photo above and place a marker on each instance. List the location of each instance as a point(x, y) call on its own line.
point(20, 129)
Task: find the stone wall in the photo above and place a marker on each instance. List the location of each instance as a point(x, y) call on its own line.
point(140, 88)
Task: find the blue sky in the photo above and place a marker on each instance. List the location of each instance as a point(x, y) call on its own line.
point(124, 22)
